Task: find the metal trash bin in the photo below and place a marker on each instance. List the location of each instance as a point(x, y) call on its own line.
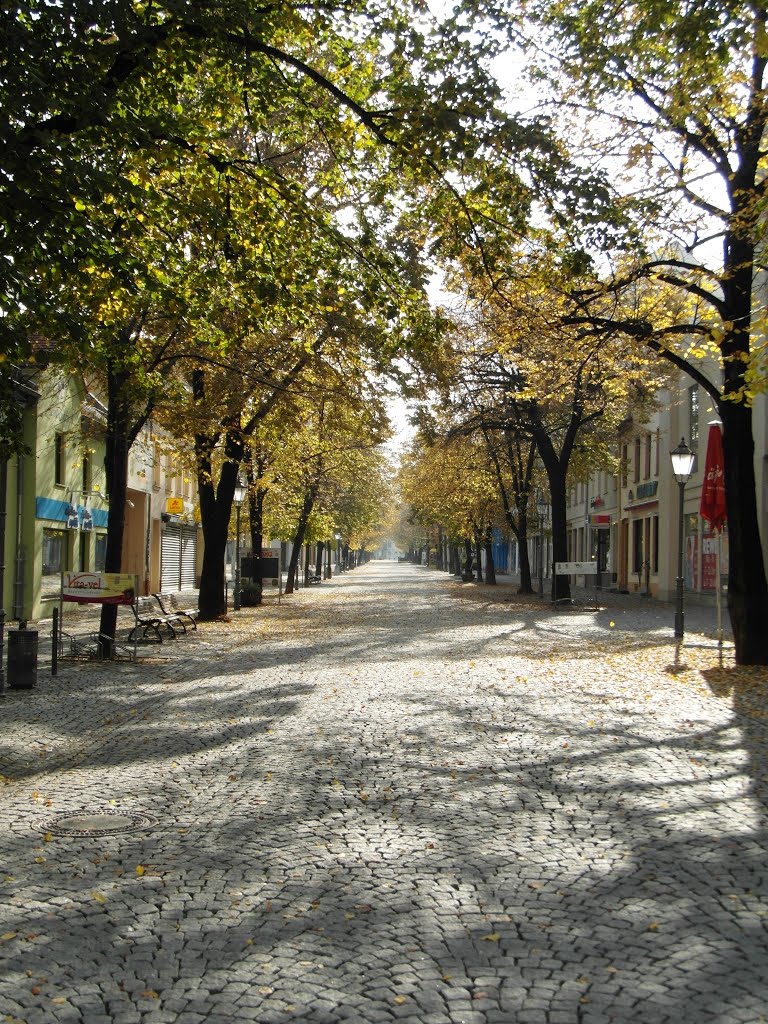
point(22, 657)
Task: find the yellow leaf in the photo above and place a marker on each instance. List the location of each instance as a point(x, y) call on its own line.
point(653, 926)
point(7, 936)
point(493, 937)
point(59, 1000)
point(47, 838)
point(140, 869)
point(266, 991)
point(149, 993)
point(99, 897)
point(399, 1000)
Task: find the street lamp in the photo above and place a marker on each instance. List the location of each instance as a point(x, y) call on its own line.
point(339, 566)
point(541, 512)
point(238, 497)
point(682, 466)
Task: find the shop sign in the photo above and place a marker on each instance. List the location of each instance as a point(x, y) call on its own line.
point(98, 587)
point(174, 506)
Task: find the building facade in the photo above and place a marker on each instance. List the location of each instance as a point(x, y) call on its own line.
point(55, 504)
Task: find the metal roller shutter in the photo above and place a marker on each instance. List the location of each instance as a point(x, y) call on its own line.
point(178, 557)
point(170, 557)
point(188, 557)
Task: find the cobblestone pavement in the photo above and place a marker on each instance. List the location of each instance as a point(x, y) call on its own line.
point(383, 802)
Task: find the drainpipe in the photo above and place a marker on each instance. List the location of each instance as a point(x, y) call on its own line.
point(18, 587)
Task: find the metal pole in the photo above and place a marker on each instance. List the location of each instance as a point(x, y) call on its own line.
point(55, 644)
point(236, 602)
point(3, 516)
point(679, 615)
point(541, 559)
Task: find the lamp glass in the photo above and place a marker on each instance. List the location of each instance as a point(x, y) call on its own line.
point(682, 462)
point(240, 490)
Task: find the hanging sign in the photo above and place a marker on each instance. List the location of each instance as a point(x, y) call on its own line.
point(175, 506)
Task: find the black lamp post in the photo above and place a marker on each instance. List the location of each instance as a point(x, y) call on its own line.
point(238, 498)
point(541, 512)
point(682, 466)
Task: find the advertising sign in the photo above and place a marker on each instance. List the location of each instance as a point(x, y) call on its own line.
point(576, 568)
point(174, 506)
point(98, 587)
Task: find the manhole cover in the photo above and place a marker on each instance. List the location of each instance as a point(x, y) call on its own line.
point(94, 823)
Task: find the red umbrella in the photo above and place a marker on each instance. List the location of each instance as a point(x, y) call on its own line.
point(713, 489)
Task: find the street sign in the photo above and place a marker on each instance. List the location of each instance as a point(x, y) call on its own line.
point(576, 568)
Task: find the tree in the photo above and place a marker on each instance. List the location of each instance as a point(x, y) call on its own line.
point(676, 92)
point(524, 372)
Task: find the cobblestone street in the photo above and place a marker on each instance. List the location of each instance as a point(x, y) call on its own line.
point(388, 800)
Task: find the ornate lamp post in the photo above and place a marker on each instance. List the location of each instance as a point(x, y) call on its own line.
point(682, 466)
point(238, 498)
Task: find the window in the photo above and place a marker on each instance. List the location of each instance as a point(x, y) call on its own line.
point(100, 552)
point(655, 558)
point(637, 546)
point(658, 449)
point(59, 460)
point(647, 467)
point(54, 561)
point(637, 460)
point(86, 472)
point(624, 464)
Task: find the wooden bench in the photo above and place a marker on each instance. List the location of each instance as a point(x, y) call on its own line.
point(150, 623)
point(169, 606)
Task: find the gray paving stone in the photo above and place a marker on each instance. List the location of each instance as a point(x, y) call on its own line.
point(356, 802)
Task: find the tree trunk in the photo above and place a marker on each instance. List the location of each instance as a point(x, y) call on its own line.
point(298, 540)
point(467, 573)
point(215, 514)
point(561, 585)
point(116, 468)
point(478, 558)
point(747, 591)
point(490, 568)
point(256, 496)
point(319, 559)
point(526, 584)
point(439, 565)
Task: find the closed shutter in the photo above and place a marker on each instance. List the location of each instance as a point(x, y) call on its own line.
point(188, 557)
point(170, 557)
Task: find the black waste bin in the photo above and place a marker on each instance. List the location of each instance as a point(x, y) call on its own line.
point(22, 658)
